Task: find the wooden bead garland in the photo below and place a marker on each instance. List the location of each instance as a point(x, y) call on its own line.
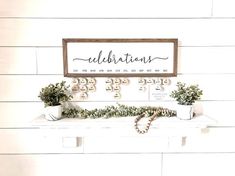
point(158, 113)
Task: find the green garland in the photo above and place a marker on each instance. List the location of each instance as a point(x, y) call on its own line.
point(116, 111)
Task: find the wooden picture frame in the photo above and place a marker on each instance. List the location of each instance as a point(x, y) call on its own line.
point(120, 57)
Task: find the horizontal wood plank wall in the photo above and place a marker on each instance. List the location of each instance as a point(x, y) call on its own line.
point(31, 52)
point(193, 164)
point(31, 33)
point(49, 32)
point(223, 8)
point(205, 54)
point(46, 165)
point(105, 8)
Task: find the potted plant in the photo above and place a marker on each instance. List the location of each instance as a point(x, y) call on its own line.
point(186, 97)
point(52, 96)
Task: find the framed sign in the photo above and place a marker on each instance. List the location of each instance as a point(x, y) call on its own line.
point(120, 57)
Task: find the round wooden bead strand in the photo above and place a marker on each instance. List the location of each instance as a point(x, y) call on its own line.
point(150, 120)
point(160, 112)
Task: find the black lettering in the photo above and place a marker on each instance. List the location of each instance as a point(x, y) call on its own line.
point(126, 58)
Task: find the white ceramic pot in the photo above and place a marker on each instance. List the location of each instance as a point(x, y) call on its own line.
point(53, 113)
point(185, 112)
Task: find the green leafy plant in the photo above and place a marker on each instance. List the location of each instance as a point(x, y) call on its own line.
point(55, 94)
point(186, 95)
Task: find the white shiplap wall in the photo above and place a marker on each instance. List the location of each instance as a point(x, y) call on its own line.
point(31, 33)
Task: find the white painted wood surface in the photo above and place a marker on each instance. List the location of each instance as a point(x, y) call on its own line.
point(31, 35)
point(105, 8)
point(206, 60)
point(25, 111)
point(116, 124)
point(85, 165)
point(50, 60)
point(15, 60)
point(223, 8)
point(198, 164)
point(49, 32)
point(27, 141)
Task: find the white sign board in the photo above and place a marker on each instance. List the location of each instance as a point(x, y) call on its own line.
point(120, 57)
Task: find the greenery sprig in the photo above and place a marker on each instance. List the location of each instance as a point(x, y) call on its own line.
point(55, 94)
point(116, 111)
point(186, 95)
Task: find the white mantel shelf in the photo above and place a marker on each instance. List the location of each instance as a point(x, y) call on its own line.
point(123, 126)
point(201, 121)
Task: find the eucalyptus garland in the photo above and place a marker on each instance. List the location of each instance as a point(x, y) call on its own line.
point(116, 111)
point(121, 111)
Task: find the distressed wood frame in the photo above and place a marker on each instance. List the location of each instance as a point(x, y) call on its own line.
point(115, 40)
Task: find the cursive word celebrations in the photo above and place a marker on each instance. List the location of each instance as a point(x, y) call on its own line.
point(126, 58)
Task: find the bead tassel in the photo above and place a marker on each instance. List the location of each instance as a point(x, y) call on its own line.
point(158, 113)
